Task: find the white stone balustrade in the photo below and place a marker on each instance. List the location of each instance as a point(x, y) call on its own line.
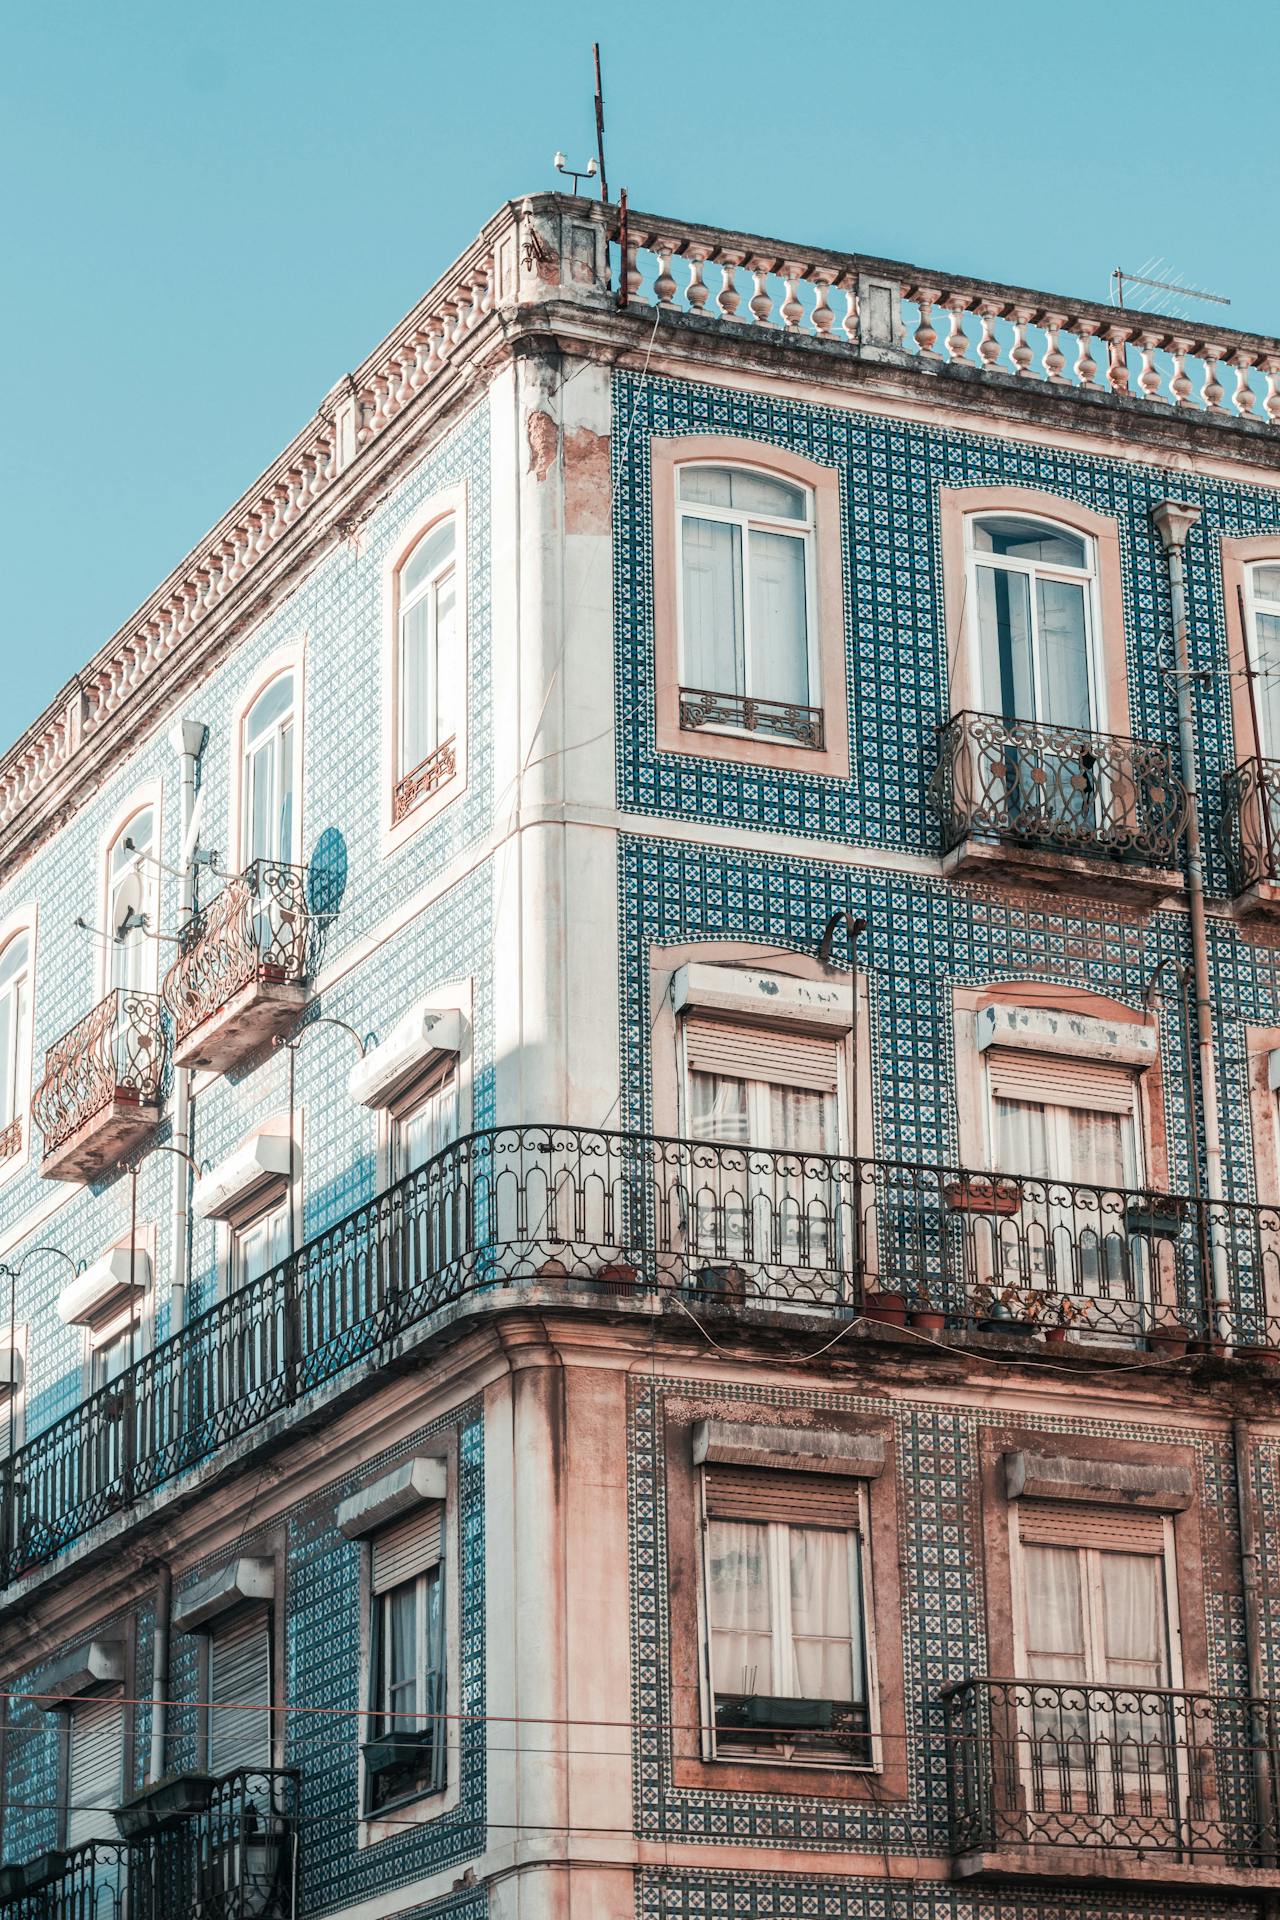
point(947, 322)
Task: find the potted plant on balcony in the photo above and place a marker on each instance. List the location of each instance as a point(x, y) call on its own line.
point(886, 1306)
point(925, 1316)
point(42, 1868)
point(726, 1281)
point(1155, 1216)
point(1070, 1312)
point(1170, 1339)
point(174, 1797)
point(1011, 1310)
point(618, 1275)
point(983, 1193)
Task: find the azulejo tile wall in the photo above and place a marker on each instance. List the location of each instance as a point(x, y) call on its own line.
point(941, 1560)
point(891, 472)
point(669, 1893)
point(321, 1690)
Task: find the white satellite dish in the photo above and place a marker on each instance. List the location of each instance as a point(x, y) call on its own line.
point(127, 900)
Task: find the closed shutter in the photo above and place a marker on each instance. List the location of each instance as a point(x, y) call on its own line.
point(762, 1053)
point(96, 1770)
point(408, 1548)
point(796, 1499)
point(1065, 1524)
point(1046, 1080)
point(240, 1693)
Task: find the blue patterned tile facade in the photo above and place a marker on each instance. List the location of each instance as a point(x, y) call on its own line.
point(890, 474)
point(941, 1562)
point(669, 1893)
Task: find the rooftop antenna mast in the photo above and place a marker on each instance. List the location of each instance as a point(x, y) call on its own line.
point(1120, 280)
point(604, 180)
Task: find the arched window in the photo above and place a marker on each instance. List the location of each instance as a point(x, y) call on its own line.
point(15, 1029)
point(747, 655)
point(430, 681)
point(1262, 604)
point(1033, 587)
point(269, 775)
point(131, 905)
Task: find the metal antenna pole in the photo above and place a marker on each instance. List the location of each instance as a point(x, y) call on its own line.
point(604, 183)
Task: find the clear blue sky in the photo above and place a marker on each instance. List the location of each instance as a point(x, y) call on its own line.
point(214, 211)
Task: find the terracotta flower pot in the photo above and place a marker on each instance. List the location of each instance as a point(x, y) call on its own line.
point(928, 1320)
point(1056, 1336)
point(1170, 1342)
point(886, 1309)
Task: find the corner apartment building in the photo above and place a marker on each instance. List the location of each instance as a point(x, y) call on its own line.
point(639, 1156)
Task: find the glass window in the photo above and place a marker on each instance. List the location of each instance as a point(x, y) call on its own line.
point(746, 567)
point(406, 1750)
point(15, 1016)
point(1262, 601)
point(269, 775)
point(111, 1353)
point(425, 1123)
point(131, 905)
point(430, 676)
point(1033, 587)
point(95, 1779)
point(788, 1653)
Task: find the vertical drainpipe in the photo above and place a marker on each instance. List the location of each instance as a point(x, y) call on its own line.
point(1260, 1734)
point(160, 1676)
point(1174, 520)
point(188, 738)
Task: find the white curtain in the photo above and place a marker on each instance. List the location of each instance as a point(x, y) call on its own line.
point(779, 618)
point(1064, 653)
point(714, 628)
point(1055, 1621)
point(1133, 1619)
point(821, 1616)
point(1004, 630)
point(738, 1579)
point(416, 730)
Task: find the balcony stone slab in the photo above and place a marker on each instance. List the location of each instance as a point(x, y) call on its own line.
point(106, 1138)
point(1111, 1866)
point(983, 857)
point(254, 1016)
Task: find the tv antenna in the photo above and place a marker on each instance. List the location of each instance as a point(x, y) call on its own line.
point(595, 167)
point(1120, 280)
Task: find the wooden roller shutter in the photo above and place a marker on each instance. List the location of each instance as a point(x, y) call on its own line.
point(762, 1053)
point(1047, 1080)
point(240, 1693)
point(797, 1499)
point(96, 1770)
point(1064, 1524)
point(410, 1547)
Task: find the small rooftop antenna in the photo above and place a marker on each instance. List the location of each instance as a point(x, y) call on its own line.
point(1120, 280)
point(575, 173)
point(604, 178)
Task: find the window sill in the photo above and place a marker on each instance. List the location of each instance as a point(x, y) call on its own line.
point(397, 833)
point(415, 1810)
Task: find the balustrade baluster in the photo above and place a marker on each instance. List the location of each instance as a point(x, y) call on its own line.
point(1212, 393)
point(822, 316)
point(729, 299)
point(1149, 381)
point(664, 285)
point(435, 344)
point(989, 311)
point(1020, 352)
point(791, 311)
point(957, 340)
point(1180, 379)
point(1270, 365)
point(761, 301)
point(631, 269)
point(1086, 367)
point(851, 326)
point(1055, 360)
point(697, 293)
point(1243, 397)
point(926, 334)
point(1117, 341)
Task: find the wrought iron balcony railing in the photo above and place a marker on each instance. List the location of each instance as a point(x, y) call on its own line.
point(625, 1214)
point(1046, 1763)
point(784, 720)
point(88, 1882)
point(102, 1079)
point(231, 1859)
point(1057, 789)
point(439, 766)
point(240, 959)
point(1251, 823)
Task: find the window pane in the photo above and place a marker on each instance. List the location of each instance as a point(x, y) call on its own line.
point(402, 1656)
point(821, 1615)
point(260, 1245)
point(9, 1050)
point(779, 619)
point(1004, 637)
point(448, 662)
point(426, 559)
point(1064, 654)
point(1266, 582)
point(718, 1108)
point(1021, 1143)
point(269, 706)
point(1055, 1613)
point(1029, 540)
point(417, 729)
point(712, 605)
point(1266, 664)
point(428, 1129)
point(13, 960)
point(738, 1580)
point(1133, 1619)
point(744, 490)
point(801, 1119)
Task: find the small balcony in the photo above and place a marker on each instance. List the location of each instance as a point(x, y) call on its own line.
point(784, 720)
point(1051, 1779)
point(240, 977)
point(215, 1849)
point(88, 1882)
point(100, 1096)
point(1058, 807)
point(1251, 835)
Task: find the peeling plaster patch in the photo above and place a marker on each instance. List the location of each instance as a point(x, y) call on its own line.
point(543, 443)
point(588, 493)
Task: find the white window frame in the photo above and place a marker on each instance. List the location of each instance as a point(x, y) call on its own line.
point(1045, 570)
point(1255, 603)
point(838, 1040)
point(104, 1333)
point(429, 590)
point(143, 801)
point(275, 1200)
point(431, 1084)
point(448, 503)
point(288, 660)
point(862, 1582)
point(989, 1120)
point(804, 530)
point(20, 1065)
point(380, 1603)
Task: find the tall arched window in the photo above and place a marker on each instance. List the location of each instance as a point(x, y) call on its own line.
point(15, 1031)
point(746, 601)
point(1033, 591)
point(131, 905)
point(269, 774)
point(1262, 603)
point(430, 682)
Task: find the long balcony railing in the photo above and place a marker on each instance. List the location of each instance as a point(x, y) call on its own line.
point(1057, 788)
point(88, 1882)
point(254, 935)
point(628, 1213)
point(1070, 1764)
point(1251, 823)
point(109, 1063)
